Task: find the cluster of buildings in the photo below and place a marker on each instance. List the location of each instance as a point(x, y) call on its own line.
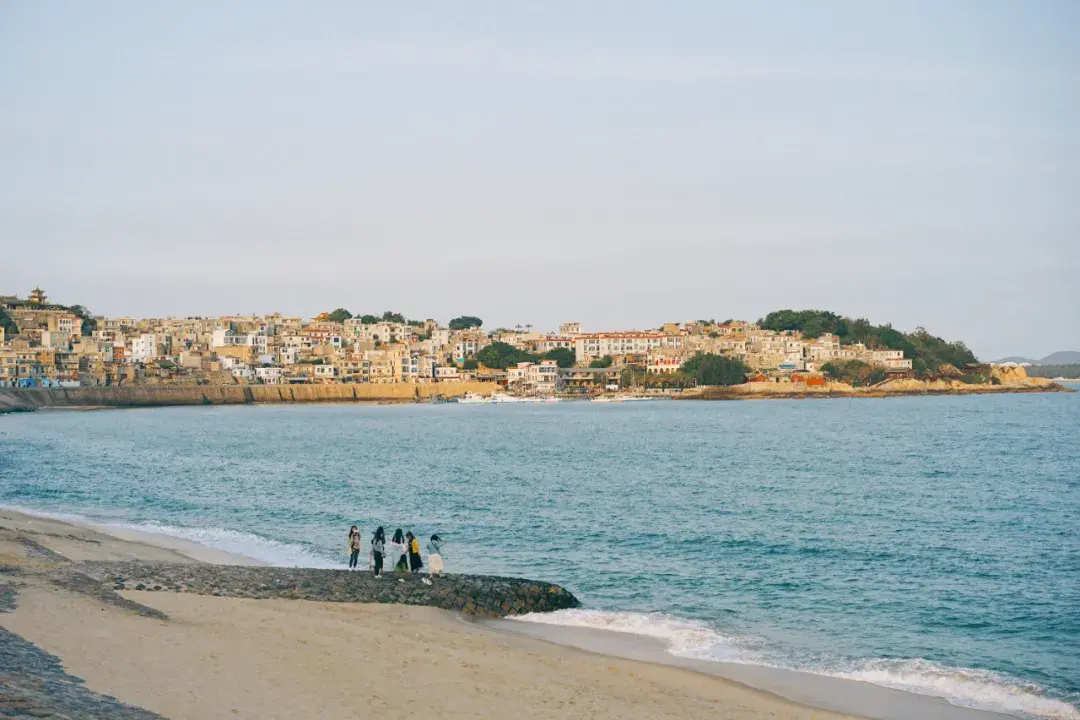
point(55, 346)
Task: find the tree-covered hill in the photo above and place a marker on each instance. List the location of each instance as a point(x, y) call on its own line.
point(1053, 371)
point(927, 352)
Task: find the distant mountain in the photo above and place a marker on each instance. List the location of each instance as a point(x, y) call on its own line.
point(1063, 357)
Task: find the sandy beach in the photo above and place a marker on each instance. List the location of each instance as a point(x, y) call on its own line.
point(187, 655)
point(229, 657)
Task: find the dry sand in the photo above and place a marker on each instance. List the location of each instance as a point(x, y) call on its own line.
point(237, 658)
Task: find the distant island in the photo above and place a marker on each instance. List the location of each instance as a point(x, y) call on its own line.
point(387, 356)
point(1063, 364)
point(1062, 357)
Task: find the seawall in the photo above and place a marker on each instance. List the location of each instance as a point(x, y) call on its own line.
point(24, 399)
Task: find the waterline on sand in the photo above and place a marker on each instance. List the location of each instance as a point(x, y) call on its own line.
point(963, 687)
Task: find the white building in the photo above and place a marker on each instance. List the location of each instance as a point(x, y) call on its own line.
point(268, 375)
point(143, 348)
point(382, 332)
point(597, 345)
point(534, 378)
point(226, 337)
point(447, 373)
point(570, 328)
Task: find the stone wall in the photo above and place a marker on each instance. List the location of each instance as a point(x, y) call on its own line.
point(480, 595)
point(13, 399)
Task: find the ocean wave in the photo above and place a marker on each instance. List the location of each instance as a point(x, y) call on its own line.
point(685, 638)
point(249, 545)
point(236, 542)
point(968, 687)
point(965, 687)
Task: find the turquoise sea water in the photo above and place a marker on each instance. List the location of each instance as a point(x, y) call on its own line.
point(931, 544)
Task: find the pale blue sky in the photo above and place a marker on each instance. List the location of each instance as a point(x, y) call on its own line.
point(618, 163)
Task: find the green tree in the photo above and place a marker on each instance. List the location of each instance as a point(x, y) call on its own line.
point(369, 319)
point(89, 324)
point(469, 364)
point(632, 376)
point(604, 362)
point(500, 355)
point(340, 315)
point(927, 352)
point(565, 357)
point(854, 372)
point(709, 369)
point(465, 322)
point(393, 317)
point(1052, 371)
point(10, 328)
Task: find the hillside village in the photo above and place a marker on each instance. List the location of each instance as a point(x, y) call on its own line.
point(43, 344)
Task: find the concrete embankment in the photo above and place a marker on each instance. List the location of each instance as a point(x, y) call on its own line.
point(23, 399)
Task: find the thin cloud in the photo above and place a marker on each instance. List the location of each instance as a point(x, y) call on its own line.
point(597, 66)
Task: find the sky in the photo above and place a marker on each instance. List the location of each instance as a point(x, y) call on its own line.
point(622, 164)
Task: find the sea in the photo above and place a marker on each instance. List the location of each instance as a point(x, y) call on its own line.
point(929, 544)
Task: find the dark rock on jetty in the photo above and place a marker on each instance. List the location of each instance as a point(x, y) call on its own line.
point(480, 595)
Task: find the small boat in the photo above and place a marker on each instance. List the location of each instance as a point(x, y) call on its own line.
point(504, 398)
point(624, 398)
point(475, 399)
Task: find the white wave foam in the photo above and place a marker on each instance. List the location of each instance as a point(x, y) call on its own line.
point(235, 542)
point(965, 687)
point(249, 545)
point(980, 689)
point(47, 515)
point(684, 638)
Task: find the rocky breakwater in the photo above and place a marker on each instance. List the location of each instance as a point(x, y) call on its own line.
point(480, 595)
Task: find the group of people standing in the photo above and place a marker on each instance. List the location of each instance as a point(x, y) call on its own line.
point(404, 552)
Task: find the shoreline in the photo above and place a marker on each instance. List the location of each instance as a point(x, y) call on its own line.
point(41, 399)
point(827, 695)
point(187, 655)
point(837, 390)
point(842, 695)
point(144, 545)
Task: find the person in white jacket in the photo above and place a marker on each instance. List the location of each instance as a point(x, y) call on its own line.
point(398, 550)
